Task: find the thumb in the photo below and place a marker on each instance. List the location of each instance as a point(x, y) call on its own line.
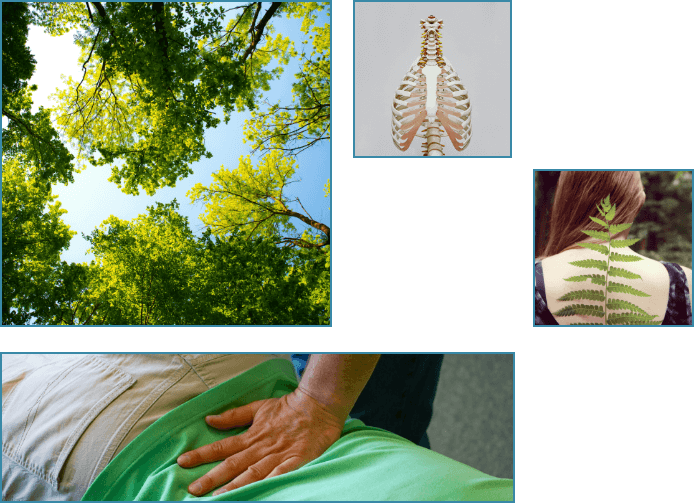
point(235, 418)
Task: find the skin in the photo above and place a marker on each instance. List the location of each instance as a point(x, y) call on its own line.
point(265, 450)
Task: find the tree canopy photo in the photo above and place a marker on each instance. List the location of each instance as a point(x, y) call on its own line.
point(160, 93)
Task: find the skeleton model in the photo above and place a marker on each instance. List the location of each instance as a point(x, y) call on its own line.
point(432, 96)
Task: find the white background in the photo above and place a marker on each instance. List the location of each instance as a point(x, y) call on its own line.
point(476, 40)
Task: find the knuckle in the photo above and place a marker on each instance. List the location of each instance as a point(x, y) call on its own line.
point(255, 471)
point(217, 448)
point(229, 464)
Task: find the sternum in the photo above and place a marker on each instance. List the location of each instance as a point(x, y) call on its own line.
point(431, 73)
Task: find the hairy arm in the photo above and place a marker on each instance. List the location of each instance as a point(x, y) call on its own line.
point(336, 381)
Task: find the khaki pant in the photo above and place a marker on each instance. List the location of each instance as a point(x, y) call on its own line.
point(64, 417)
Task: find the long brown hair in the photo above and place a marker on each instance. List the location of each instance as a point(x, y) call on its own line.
point(576, 199)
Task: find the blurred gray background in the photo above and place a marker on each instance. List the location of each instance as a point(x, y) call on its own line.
point(473, 412)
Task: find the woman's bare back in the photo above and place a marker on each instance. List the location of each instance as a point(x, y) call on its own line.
point(655, 281)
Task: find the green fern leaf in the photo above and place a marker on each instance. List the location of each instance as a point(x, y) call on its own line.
point(597, 279)
point(598, 221)
point(619, 288)
point(616, 305)
point(628, 318)
point(593, 246)
point(582, 277)
point(588, 263)
point(616, 271)
point(598, 234)
point(623, 243)
point(617, 257)
point(634, 315)
point(581, 309)
point(584, 294)
point(616, 229)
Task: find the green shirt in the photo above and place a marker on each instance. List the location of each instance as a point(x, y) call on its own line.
point(364, 464)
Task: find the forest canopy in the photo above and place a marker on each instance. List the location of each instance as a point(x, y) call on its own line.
point(155, 78)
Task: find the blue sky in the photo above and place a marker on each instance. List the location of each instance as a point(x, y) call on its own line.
point(92, 198)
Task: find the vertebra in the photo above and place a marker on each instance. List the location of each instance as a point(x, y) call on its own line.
point(431, 91)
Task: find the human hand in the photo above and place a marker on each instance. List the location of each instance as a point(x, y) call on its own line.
point(285, 434)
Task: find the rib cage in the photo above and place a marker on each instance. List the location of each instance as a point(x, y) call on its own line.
point(451, 107)
point(409, 107)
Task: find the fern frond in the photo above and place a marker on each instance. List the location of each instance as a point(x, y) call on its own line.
point(584, 294)
point(598, 221)
point(582, 277)
point(594, 246)
point(623, 243)
point(616, 305)
point(629, 319)
point(597, 234)
point(588, 263)
point(616, 229)
point(619, 288)
point(617, 257)
point(654, 322)
point(597, 279)
point(630, 314)
point(616, 271)
point(581, 309)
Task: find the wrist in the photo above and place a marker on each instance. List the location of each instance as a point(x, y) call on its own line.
point(313, 404)
point(335, 381)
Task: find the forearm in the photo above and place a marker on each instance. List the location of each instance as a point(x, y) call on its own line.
point(336, 381)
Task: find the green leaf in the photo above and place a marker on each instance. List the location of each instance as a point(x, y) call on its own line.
point(635, 315)
point(585, 323)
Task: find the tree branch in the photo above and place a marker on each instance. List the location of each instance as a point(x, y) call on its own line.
point(259, 30)
point(27, 127)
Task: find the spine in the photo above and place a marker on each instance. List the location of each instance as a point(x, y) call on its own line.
point(432, 145)
point(432, 52)
point(432, 55)
point(431, 96)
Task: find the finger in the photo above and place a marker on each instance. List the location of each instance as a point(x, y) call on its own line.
point(222, 473)
point(293, 463)
point(235, 418)
point(216, 451)
point(222, 449)
point(254, 473)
